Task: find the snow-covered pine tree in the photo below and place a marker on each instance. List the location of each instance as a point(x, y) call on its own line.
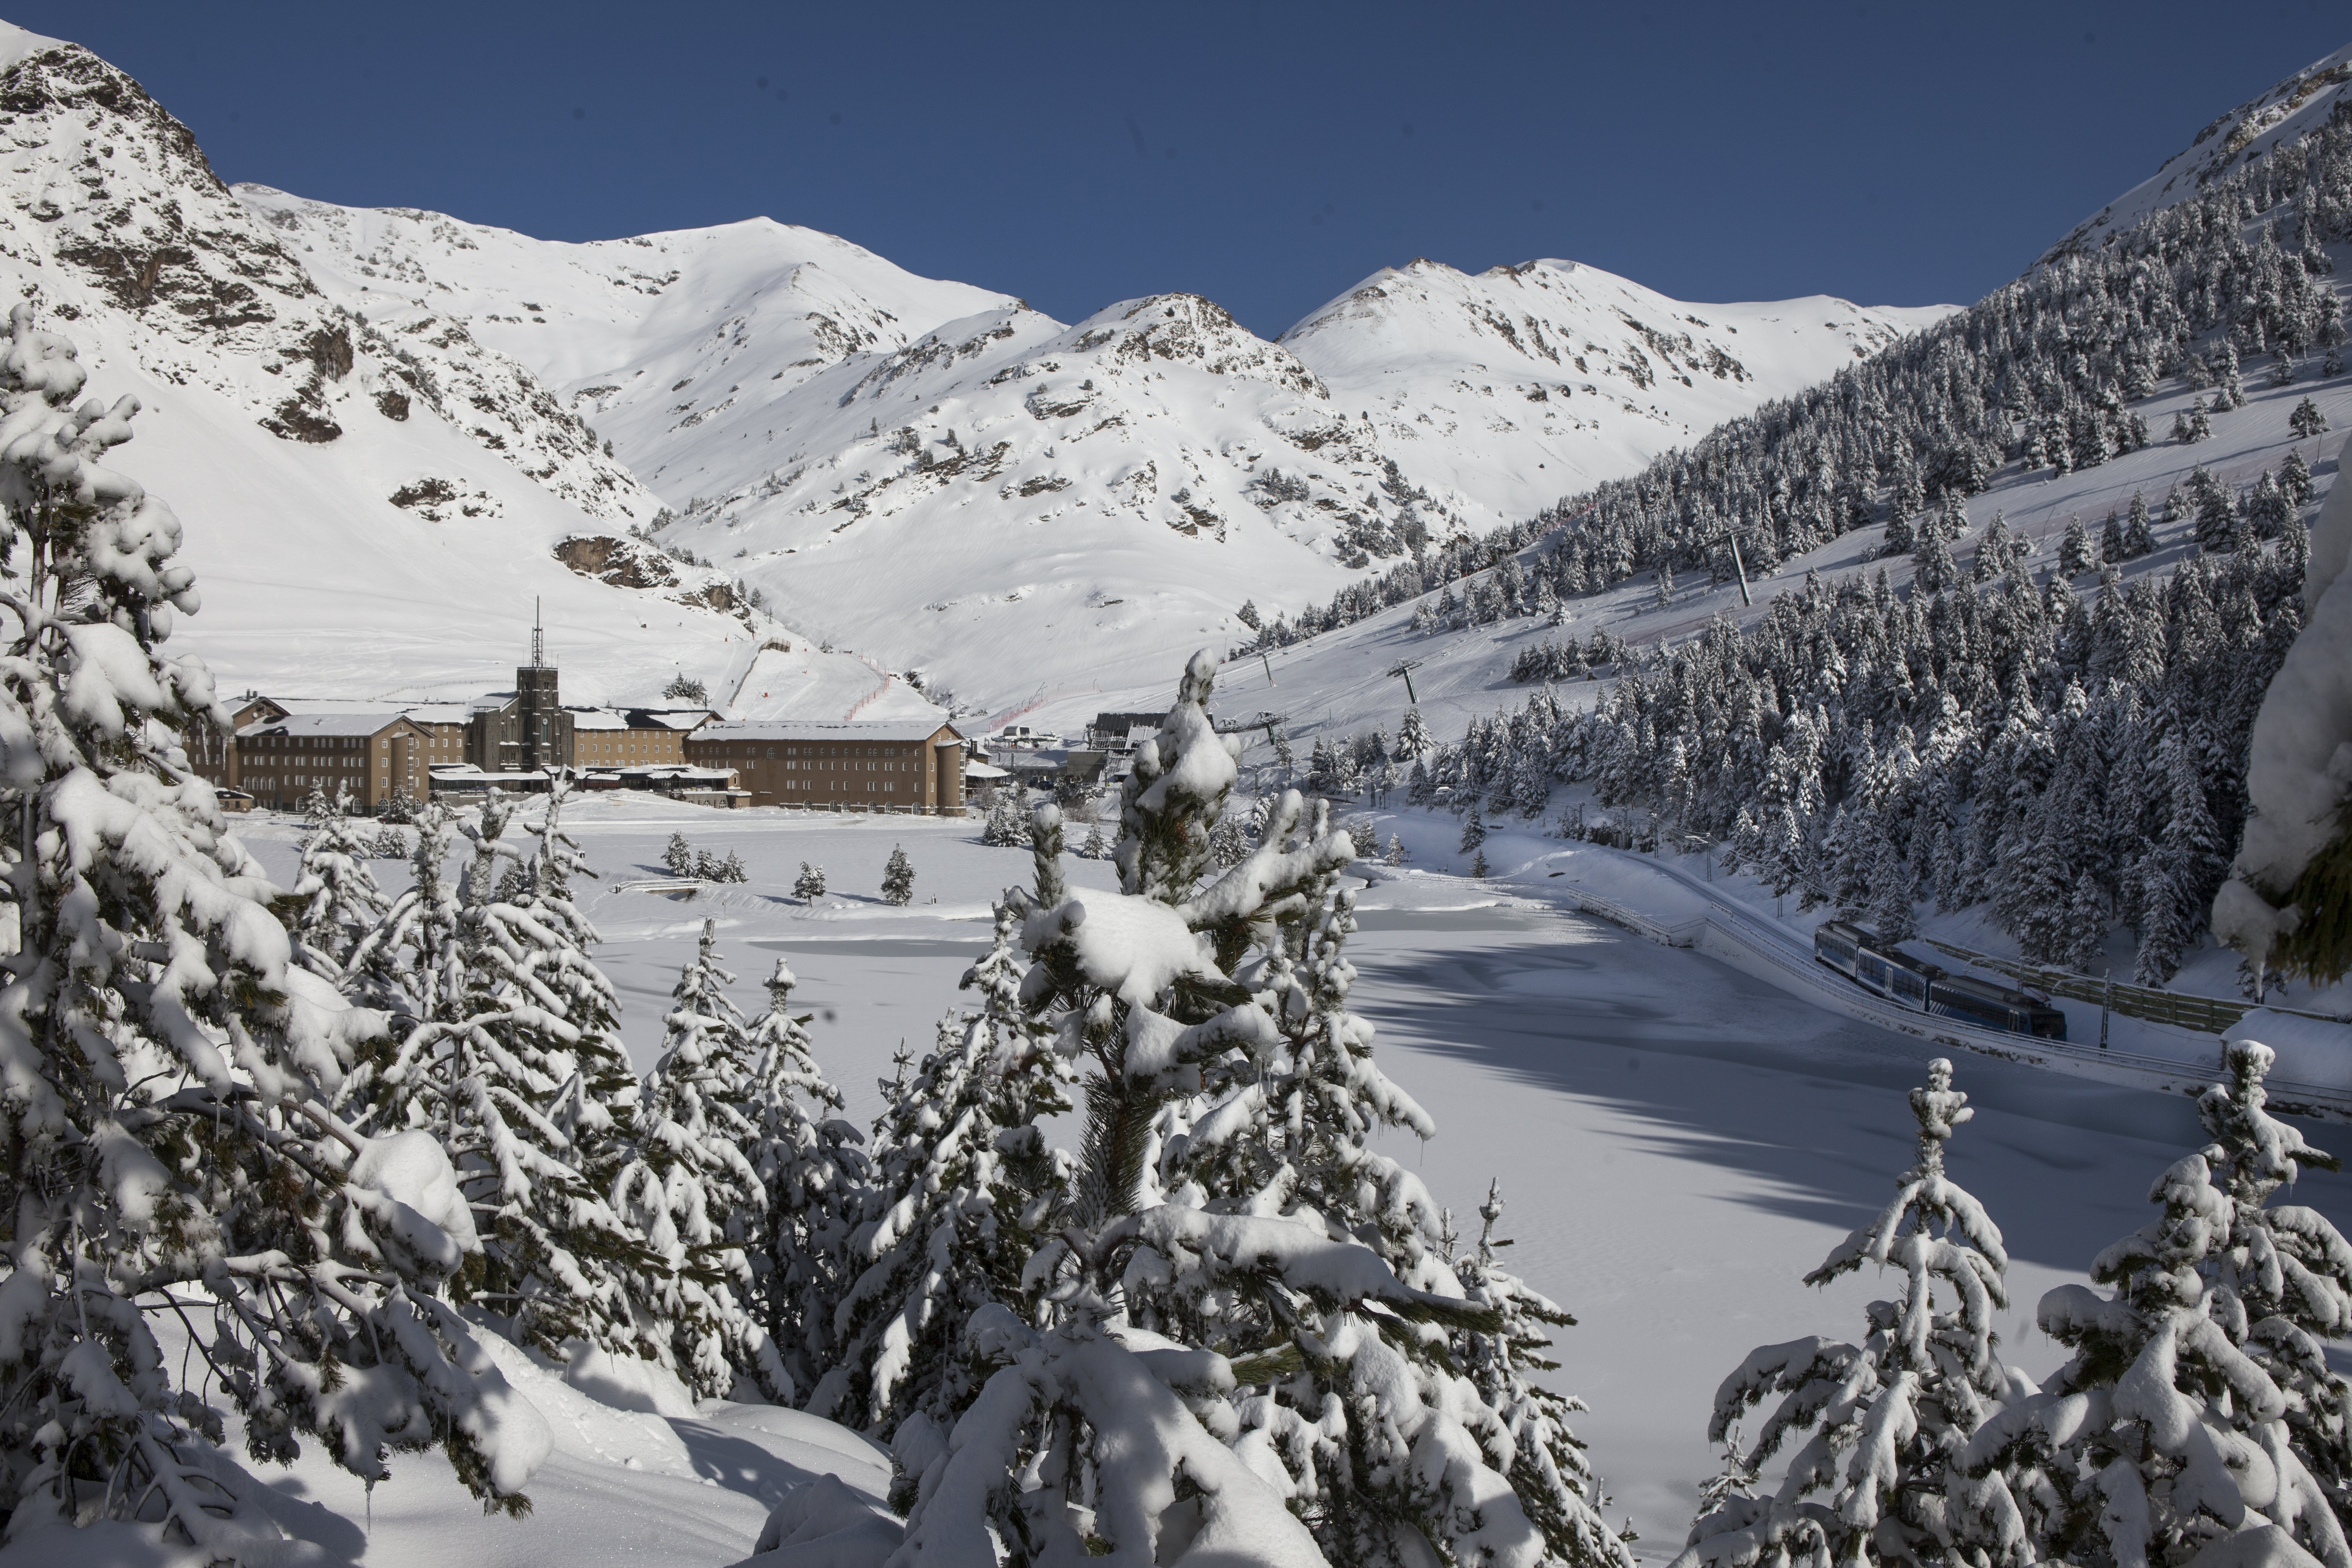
point(1932, 567)
point(2139, 536)
point(692, 1192)
point(2198, 1416)
point(1412, 740)
point(1474, 831)
point(2175, 881)
point(677, 856)
point(809, 886)
point(1005, 825)
point(337, 899)
point(2268, 511)
point(517, 1065)
point(964, 1191)
point(2075, 550)
point(899, 878)
point(1549, 1470)
point(2111, 540)
point(2295, 478)
point(1396, 854)
point(1891, 1410)
point(2307, 422)
point(2229, 391)
point(165, 1129)
point(813, 1170)
point(1893, 909)
point(1232, 1238)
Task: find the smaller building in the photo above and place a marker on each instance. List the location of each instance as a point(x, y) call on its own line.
point(909, 764)
point(212, 754)
point(1123, 732)
point(444, 725)
point(633, 737)
point(376, 755)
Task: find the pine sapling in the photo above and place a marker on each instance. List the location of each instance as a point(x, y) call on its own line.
point(899, 878)
point(1886, 1414)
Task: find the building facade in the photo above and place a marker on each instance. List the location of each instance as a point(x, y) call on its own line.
point(633, 737)
point(279, 761)
point(913, 765)
point(521, 731)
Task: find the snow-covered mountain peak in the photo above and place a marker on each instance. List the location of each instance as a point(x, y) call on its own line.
point(1191, 329)
point(1504, 391)
point(373, 497)
point(2244, 135)
point(17, 43)
point(656, 334)
point(125, 211)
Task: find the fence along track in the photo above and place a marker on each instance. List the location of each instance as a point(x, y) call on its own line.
point(1746, 941)
point(2206, 1014)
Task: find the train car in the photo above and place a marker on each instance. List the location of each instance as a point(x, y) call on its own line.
point(1839, 944)
point(1921, 987)
point(1989, 1006)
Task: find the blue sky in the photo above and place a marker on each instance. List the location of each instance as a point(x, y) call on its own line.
point(1267, 155)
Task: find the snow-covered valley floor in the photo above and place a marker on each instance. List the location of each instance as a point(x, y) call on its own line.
point(1678, 1144)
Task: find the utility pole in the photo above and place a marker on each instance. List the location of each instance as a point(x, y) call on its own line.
point(1269, 666)
point(1731, 536)
point(2107, 1005)
point(1405, 668)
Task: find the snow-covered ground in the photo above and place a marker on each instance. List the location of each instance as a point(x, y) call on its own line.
point(1679, 1142)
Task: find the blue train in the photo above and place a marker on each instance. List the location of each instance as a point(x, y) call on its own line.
point(1878, 966)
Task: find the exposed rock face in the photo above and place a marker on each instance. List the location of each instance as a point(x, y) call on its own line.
point(112, 207)
point(624, 562)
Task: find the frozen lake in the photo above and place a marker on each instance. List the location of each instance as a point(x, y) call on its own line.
point(1678, 1144)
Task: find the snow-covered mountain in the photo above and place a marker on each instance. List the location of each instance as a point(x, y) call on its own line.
point(936, 474)
point(389, 430)
point(373, 498)
point(1503, 392)
point(678, 343)
point(2241, 137)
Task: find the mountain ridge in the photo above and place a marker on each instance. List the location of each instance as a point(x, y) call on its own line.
point(858, 442)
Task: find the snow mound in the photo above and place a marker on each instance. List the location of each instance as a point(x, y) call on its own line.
point(824, 1524)
point(583, 1426)
point(413, 1170)
point(2308, 1050)
point(108, 1544)
point(626, 1383)
point(2298, 762)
